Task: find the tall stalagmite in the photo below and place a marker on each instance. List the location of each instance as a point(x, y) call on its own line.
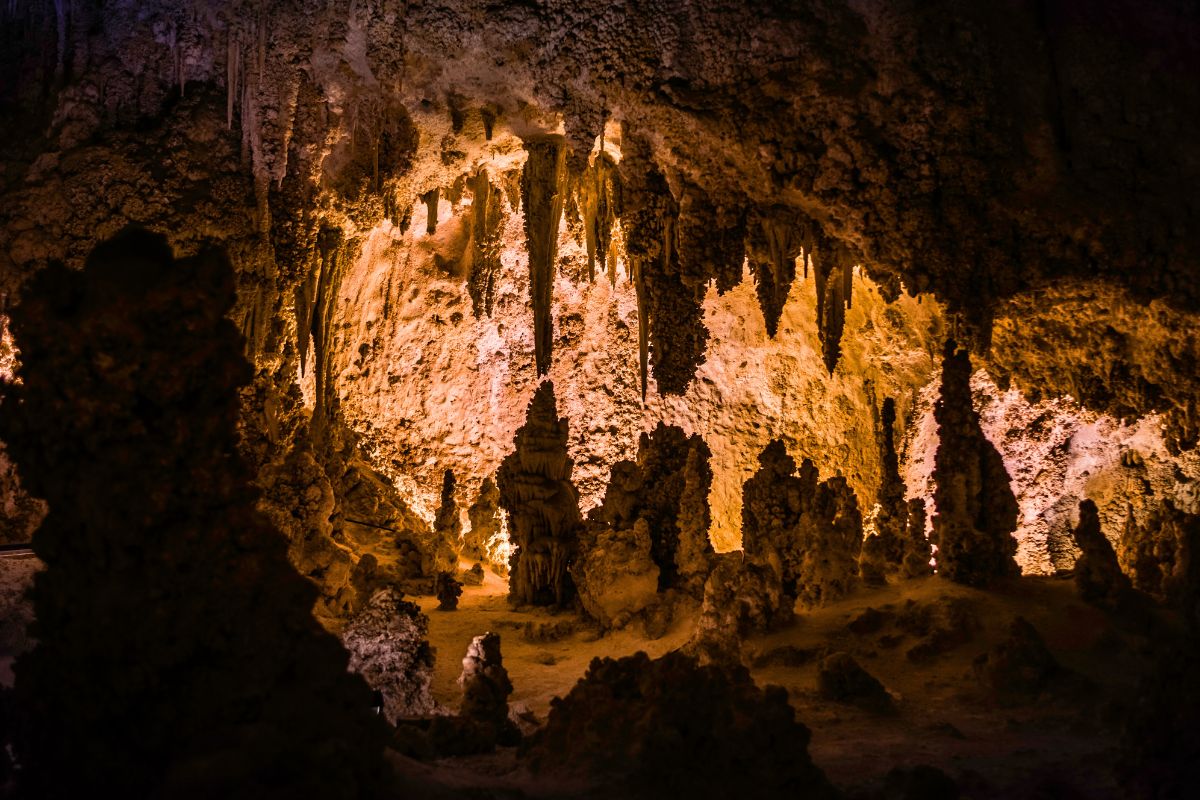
point(1098, 575)
point(162, 579)
point(542, 505)
point(543, 190)
point(883, 551)
point(976, 510)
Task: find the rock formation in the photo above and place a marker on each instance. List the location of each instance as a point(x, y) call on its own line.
point(484, 515)
point(669, 727)
point(917, 552)
point(774, 240)
point(388, 644)
point(666, 488)
point(883, 551)
point(1162, 558)
point(542, 506)
point(809, 532)
point(543, 190)
point(1020, 667)
point(447, 523)
point(614, 574)
point(125, 422)
point(447, 589)
point(842, 679)
point(600, 205)
point(486, 219)
point(486, 686)
point(1098, 575)
point(976, 510)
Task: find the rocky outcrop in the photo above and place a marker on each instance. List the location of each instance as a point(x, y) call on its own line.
point(976, 510)
point(447, 589)
point(1019, 668)
point(388, 642)
point(669, 727)
point(125, 422)
point(542, 506)
point(1098, 576)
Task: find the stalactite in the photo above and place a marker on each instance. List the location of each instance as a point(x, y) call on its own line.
point(430, 199)
point(543, 191)
point(232, 55)
point(674, 337)
point(486, 218)
point(774, 239)
point(600, 204)
point(643, 326)
point(976, 510)
point(711, 240)
point(834, 273)
point(542, 506)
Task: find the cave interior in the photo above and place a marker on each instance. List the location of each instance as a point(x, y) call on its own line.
point(587, 399)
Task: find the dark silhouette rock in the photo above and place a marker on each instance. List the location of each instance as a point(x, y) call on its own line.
point(447, 589)
point(1162, 558)
point(1098, 575)
point(1020, 667)
point(672, 728)
point(840, 678)
point(976, 510)
point(206, 674)
point(486, 688)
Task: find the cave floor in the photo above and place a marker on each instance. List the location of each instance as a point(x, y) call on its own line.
point(1057, 743)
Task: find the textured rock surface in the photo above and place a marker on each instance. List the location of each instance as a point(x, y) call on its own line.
point(485, 683)
point(670, 726)
point(976, 510)
point(842, 679)
point(1160, 555)
point(389, 648)
point(125, 423)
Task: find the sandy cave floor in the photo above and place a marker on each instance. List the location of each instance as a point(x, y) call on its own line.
point(1060, 744)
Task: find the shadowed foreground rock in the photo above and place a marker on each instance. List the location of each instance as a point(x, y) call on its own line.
point(1098, 575)
point(177, 655)
point(672, 728)
point(388, 646)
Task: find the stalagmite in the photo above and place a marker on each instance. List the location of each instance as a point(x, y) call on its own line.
point(883, 551)
point(486, 686)
point(484, 515)
point(543, 191)
point(976, 510)
point(486, 218)
point(1098, 576)
point(542, 505)
point(917, 552)
point(447, 524)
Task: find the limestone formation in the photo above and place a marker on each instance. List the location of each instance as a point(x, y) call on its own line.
point(774, 240)
point(1098, 576)
point(600, 204)
point(484, 516)
point(741, 597)
point(883, 551)
point(667, 488)
point(125, 422)
point(389, 647)
point(486, 219)
point(614, 574)
point(485, 685)
point(633, 727)
point(542, 506)
point(447, 524)
point(1020, 667)
point(1160, 555)
point(447, 589)
point(976, 510)
point(917, 552)
point(809, 532)
point(543, 190)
